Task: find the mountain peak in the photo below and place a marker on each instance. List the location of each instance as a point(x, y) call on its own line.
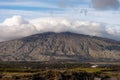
point(65, 46)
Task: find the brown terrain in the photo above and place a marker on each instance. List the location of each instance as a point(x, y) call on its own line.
point(65, 46)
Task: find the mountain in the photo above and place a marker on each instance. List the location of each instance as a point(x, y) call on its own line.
point(65, 46)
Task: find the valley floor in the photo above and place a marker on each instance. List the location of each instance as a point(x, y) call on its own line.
point(57, 71)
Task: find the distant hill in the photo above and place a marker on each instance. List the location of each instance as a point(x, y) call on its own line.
point(63, 46)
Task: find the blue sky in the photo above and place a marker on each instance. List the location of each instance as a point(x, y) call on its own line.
point(15, 7)
point(46, 8)
point(15, 13)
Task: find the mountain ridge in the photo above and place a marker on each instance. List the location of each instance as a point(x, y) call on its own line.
point(64, 46)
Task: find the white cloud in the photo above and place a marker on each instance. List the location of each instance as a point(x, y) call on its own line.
point(114, 30)
point(17, 27)
point(15, 21)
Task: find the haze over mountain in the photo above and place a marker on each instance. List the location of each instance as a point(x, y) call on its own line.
point(65, 46)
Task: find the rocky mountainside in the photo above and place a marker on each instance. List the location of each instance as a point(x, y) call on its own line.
point(63, 46)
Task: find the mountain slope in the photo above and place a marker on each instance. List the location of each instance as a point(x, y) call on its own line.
point(64, 46)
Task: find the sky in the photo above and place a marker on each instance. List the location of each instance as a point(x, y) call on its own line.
point(20, 18)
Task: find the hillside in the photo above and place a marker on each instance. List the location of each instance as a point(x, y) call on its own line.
point(63, 46)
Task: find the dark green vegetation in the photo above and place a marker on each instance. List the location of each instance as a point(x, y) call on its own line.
point(57, 71)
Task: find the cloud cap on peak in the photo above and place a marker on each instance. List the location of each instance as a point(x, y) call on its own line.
point(18, 27)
